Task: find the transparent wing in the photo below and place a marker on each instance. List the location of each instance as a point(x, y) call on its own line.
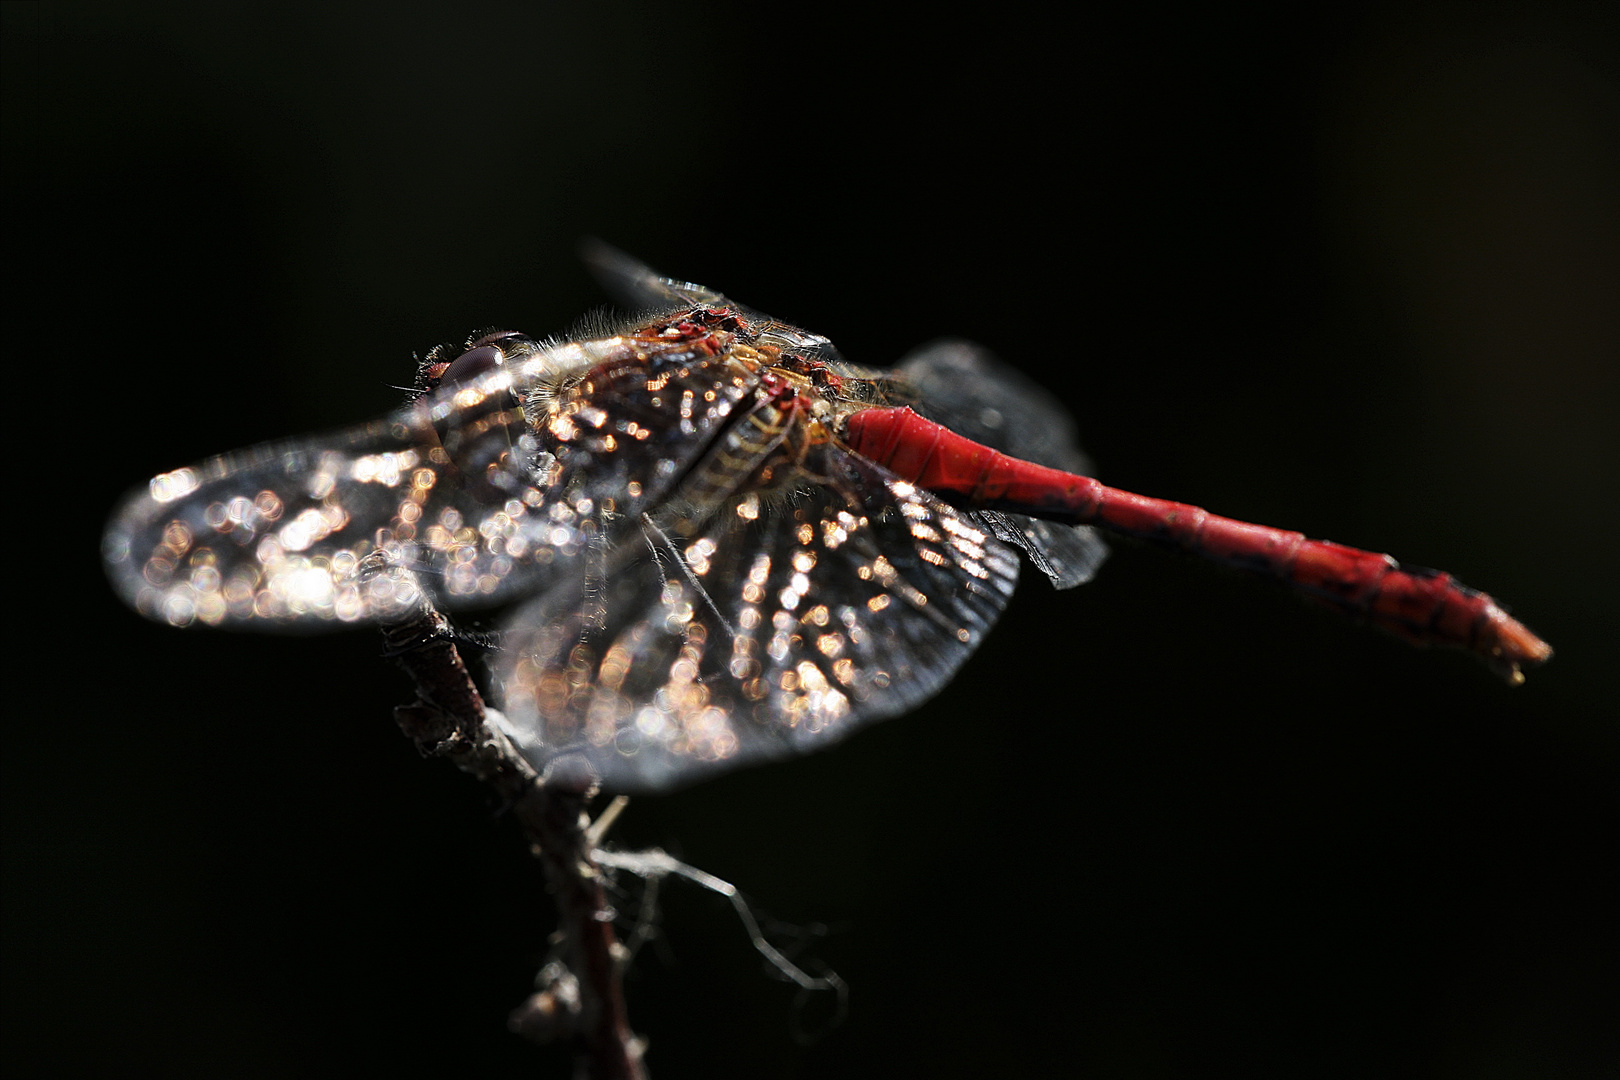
point(1068, 555)
point(638, 286)
point(272, 536)
point(641, 288)
point(484, 498)
point(781, 624)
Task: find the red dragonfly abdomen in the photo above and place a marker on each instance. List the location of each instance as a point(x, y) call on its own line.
point(1423, 606)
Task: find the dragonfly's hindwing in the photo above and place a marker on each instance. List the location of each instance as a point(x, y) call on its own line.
point(784, 622)
point(964, 387)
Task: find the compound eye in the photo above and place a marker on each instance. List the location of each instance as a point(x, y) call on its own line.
point(471, 364)
point(499, 337)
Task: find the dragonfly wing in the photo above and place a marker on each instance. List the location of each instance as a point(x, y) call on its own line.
point(638, 286)
point(1068, 555)
point(271, 537)
point(482, 501)
point(641, 288)
point(964, 387)
point(781, 624)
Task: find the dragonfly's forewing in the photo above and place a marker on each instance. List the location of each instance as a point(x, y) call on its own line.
point(485, 500)
point(783, 623)
point(637, 286)
point(640, 288)
point(271, 537)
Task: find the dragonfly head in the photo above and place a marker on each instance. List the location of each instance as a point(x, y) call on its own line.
point(447, 366)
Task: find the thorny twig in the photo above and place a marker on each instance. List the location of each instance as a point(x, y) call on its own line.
point(579, 996)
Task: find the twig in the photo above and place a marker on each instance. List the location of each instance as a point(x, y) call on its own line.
point(579, 996)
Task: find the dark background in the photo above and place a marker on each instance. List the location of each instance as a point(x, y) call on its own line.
point(1355, 273)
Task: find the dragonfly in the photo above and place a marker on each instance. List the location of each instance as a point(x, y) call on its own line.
point(720, 542)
